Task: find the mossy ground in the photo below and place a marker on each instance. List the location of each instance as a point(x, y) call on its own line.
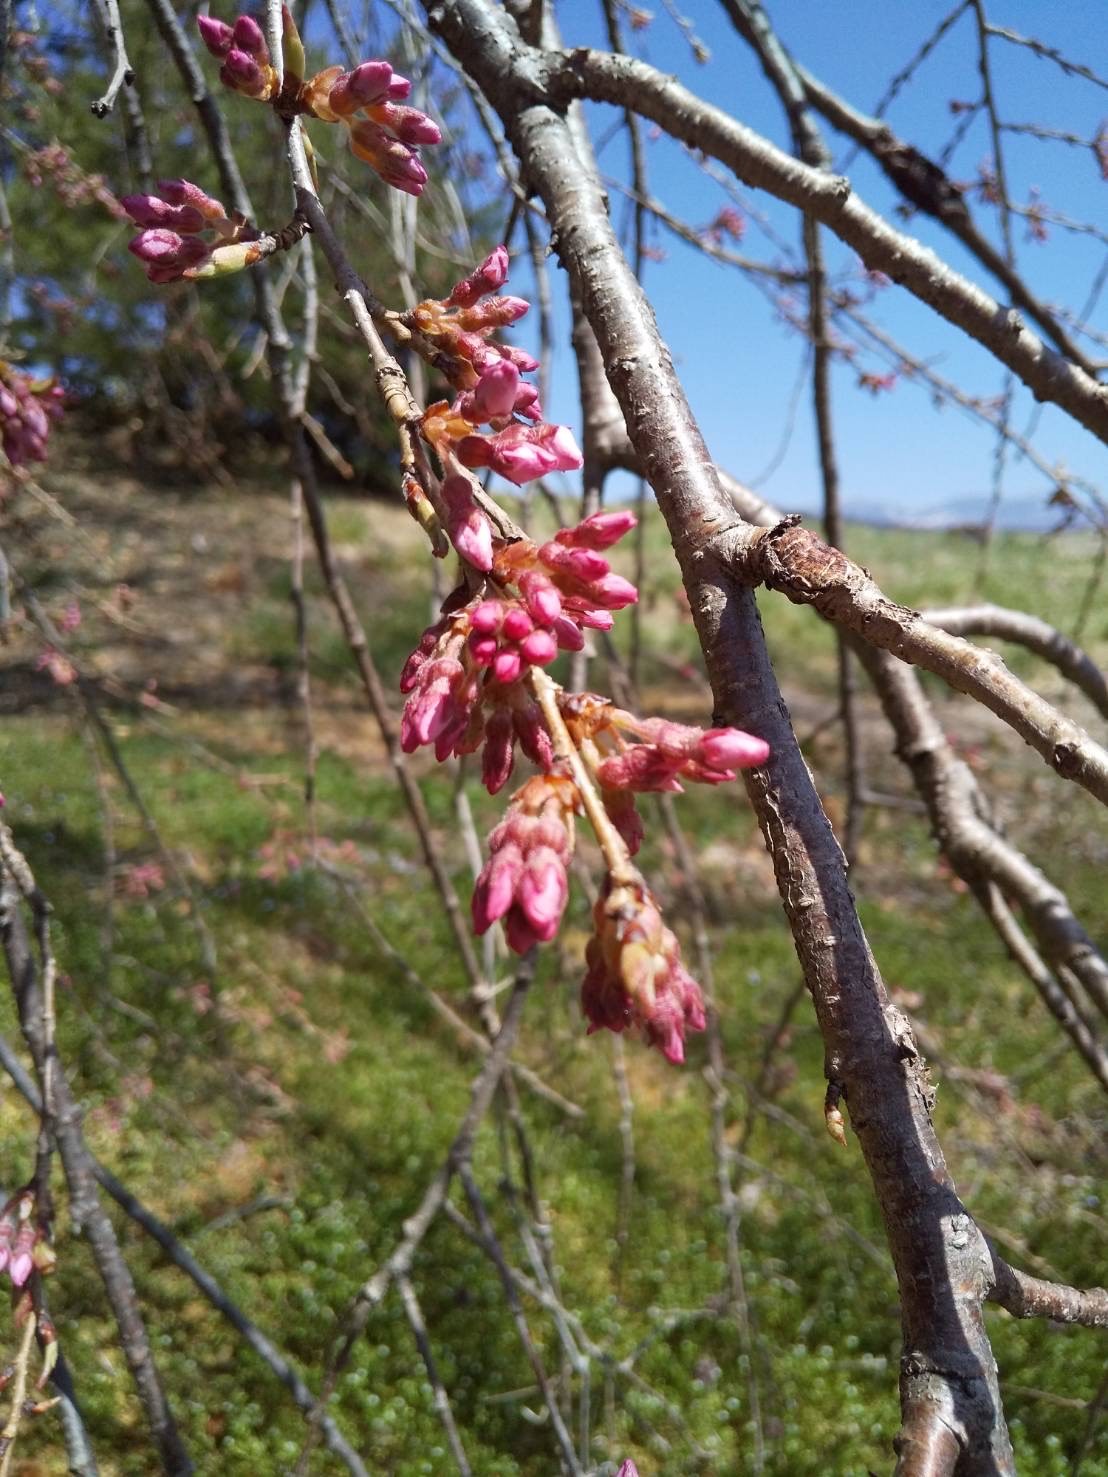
point(284, 1115)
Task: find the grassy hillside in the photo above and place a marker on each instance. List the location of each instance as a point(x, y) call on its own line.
point(283, 1112)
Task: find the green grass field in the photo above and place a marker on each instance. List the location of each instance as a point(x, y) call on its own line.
point(284, 1115)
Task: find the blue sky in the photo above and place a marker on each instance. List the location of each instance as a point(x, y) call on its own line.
point(899, 455)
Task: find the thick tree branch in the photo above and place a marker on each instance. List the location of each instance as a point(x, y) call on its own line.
point(935, 1245)
point(798, 563)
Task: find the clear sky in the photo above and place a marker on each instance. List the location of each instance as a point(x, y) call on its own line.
point(899, 455)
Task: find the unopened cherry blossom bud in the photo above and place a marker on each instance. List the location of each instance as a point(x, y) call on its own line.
point(568, 635)
point(533, 737)
point(600, 531)
point(517, 624)
point(628, 1469)
point(507, 665)
point(249, 37)
point(151, 211)
point(526, 363)
point(243, 74)
point(494, 312)
point(184, 192)
point(540, 597)
point(580, 564)
point(216, 35)
point(364, 87)
point(486, 617)
point(492, 896)
point(526, 401)
point(542, 892)
point(484, 649)
point(496, 391)
point(731, 748)
point(469, 529)
point(409, 124)
point(593, 620)
point(397, 165)
point(498, 757)
point(539, 649)
point(490, 276)
point(613, 592)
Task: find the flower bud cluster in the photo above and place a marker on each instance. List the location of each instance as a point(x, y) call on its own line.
point(524, 882)
point(28, 406)
point(467, 678)
point(187, 233)
point(487, 375)
point(459, 700)
point(367, 101)
point(23, 1244)
point(635, 975)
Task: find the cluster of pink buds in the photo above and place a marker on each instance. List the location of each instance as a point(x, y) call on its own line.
point(187, 233)
point(27, 408)
point(23, 1244)
point(487, 375)
point(635, 975)
point(524, 883)
point(467, 678)
point(367, 101)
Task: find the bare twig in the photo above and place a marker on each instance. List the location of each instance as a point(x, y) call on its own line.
point(123, 74)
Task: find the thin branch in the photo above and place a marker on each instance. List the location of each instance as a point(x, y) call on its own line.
point(1025, 1296)
point(1027, 630)
point(123, 74)
point(85, 1208)
point(832, 201)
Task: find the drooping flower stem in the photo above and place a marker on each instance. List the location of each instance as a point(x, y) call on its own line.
point(611, 843)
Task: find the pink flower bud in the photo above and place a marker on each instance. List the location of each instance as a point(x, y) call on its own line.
point(526, 363)
point(149, 210)
point(519, 933)
point(493, 312)
point(731, 748)
point(613, 592)
point(533, 737)
point(242, 73)
point(409, 124)
point(469, 529)
point(600, 531)
point(579, 564)
point(517, 624)
point(488, 277)
point(249, 37)
point(492, 896)
point(184, 192)
point(567, 635)
point(540, 596)
point(396, 164)
point(496, 391)
point(216, 35)
point(540, 648)
point(484, 649)
point(527, 400)
point(542, 892)
point(507, 665)
point(498, 758)
point(364, 87)
point(487, 617)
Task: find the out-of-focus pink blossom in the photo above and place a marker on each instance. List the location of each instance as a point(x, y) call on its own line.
point(28, 408)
